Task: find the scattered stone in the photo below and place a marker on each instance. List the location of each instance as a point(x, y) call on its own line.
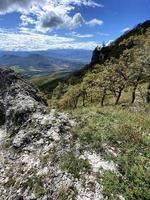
point(34, 139)
point(98, 163)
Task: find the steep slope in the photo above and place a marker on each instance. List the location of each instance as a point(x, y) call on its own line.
point(114, 70)
point(128, 40)
point(40, 160)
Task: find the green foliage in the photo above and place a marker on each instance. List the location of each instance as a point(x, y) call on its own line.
point(126, 65)
point(134, 184)
point(112, 186)
point(67, 193)
point(36, 184)
point(49, 82)
point(73, 164)
point(62, 195)
point(39, 190)
point(127, 132)
point(71, 97)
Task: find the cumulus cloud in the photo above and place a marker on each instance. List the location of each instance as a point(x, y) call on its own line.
point(76, 21)
point(43, 16)
point(16, 5)
point(26, 20)
point(49, 14)
point(51, 20)
point(30, 41)
point(95, 22)
point(19, 5)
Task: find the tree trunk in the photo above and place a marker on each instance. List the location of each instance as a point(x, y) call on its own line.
point(103, 98)
point(91, 98)
point(75, 101)
point(118, 96)
point(136, 85)
point(83, 99)
point(133, 93)
point(148, 93)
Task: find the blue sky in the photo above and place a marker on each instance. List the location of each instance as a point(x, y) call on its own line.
point(48, 24)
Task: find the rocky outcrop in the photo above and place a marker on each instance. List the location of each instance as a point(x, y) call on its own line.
point(35, 146)
point(97, 56)
point(30, 135)
point(100, 54)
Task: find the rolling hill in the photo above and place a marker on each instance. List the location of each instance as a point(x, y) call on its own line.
point(38, 65)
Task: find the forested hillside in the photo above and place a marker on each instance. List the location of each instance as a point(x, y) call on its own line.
point(120, 69)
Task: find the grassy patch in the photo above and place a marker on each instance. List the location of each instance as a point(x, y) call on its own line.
point(67, 193)
point(36, 184)
point(127, 131)
point(74, 165)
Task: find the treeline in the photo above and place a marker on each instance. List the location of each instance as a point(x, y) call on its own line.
point(111, 78)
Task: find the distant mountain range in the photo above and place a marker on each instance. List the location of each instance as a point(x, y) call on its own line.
point(45, 62)
point(67, 54)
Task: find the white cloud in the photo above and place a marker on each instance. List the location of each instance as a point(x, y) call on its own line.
point(74, 22)
point(25, 30)
point(89, 3)
point(44, 16)
point(103, 34)
point(95, 22)
point(49, 14)
point(30, 41)
point(74, 34)
point(126, 29)
point(50, 20)
point(26, 20)
point(7, 6)
point(22, 5)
